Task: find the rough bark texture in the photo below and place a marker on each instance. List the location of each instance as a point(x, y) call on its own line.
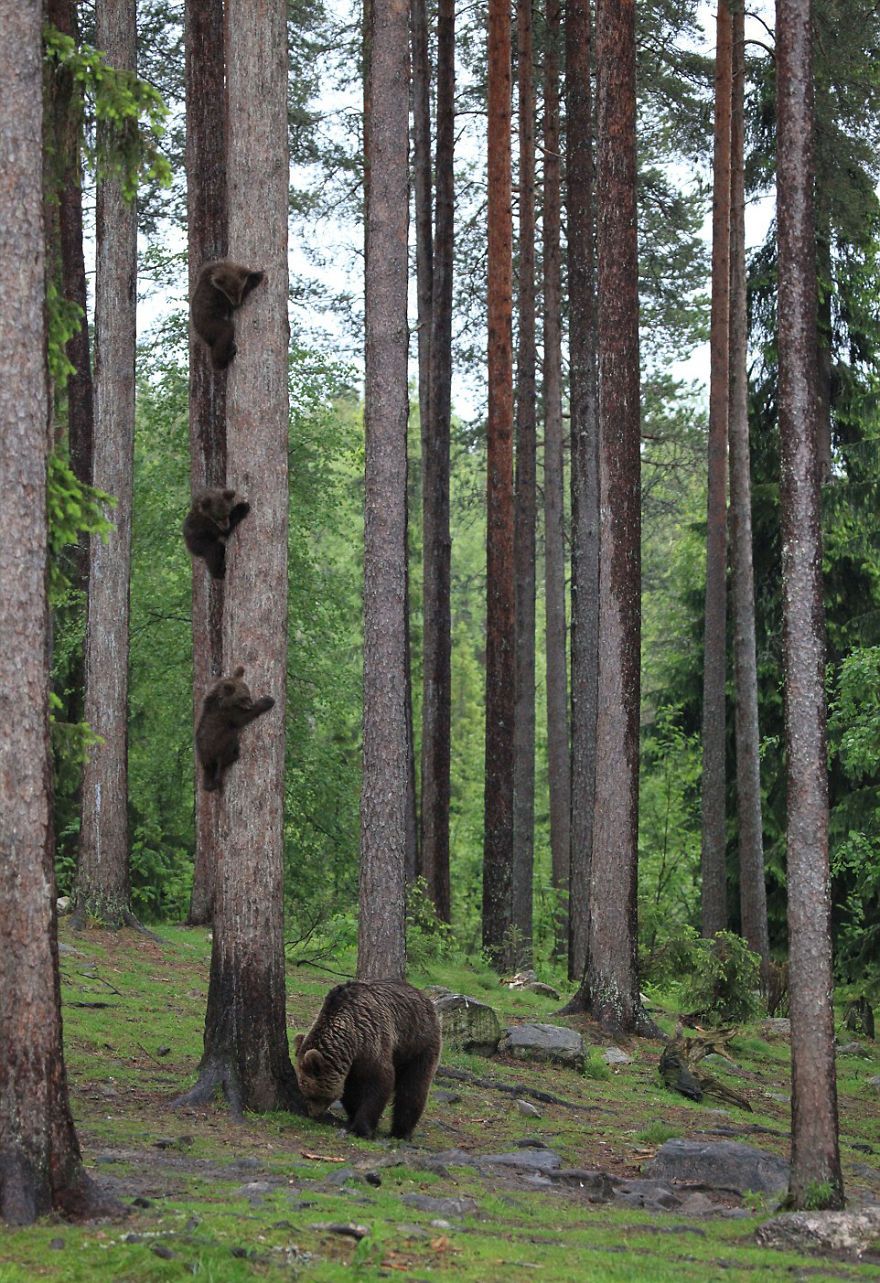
point(437, 640)
point(526, 497)
point(815, 1172)
point(500, 606)
point(381, 926)
point(207, 239)
point(753, 893)
point(612, 973)
point(558, 756)
point(713, 899)
point(102, 880)
point(584, 396)
point(40, 1166)
point(246, 1052)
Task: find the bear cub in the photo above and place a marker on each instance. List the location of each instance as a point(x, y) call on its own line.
point(221, 287)
point(226, 708)
point(209, 523)
point(370, 1040)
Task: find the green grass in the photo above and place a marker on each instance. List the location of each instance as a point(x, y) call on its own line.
point(129, 1059)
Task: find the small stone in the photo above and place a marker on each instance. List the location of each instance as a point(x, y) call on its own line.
point(852, 1049)
point(531, 1142)
point(159, 1249)
point(533, 1160)
point(373, 1178)
point(447, 1097)
point(412, 1231)
point(62, 904)
point(163, 1051)
point(777, 1026)
point(337, 1110)
point(697, 1204)
point(133, 1238)
point(140, 1201)
point(240, 1253)
point(56, 1244)
point(441, 1206)
point(282, 1225)
point(341, 1176)
point(441, 1225)
point(614, 1056)
point(875, 1081)
point(862, 1147)
point(527, 1109)
point(347, 1230)
point(254, 1189)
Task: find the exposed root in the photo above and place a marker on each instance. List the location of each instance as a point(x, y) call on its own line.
point(216, 1077)
point(517, 1089)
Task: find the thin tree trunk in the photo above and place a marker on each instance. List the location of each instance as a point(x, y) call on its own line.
point(816, 1178)
point(584, 397)
point(207, 239)
point(40, 1165)
point(558, 755)
point(102, 882)
point(246, 1050)
point(753, 893)
point(381, 926)
point(500, 605)
point(437, 643)
point(713, 902)
point(524, 527)
point(612, 970)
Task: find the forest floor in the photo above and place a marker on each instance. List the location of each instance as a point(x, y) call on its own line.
point(225, 1202)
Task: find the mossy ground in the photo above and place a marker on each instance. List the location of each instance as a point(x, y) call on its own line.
point(190, 1170)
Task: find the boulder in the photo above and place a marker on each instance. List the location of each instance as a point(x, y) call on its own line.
point(851, 1232)
point(441, 1206)
point(544, 1042)
point(723, 1164)
point(468, 1024)
point(614, 1056)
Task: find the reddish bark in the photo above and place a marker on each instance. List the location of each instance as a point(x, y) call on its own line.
point(526, 503)
point(102, 881)
point(815, 1170)
point(753, 893)
point(584, 396)
point(437, 641)
point(381, 927)
point(40, 1165)
point(207, 239)
point(500, 608)
point(713, 901)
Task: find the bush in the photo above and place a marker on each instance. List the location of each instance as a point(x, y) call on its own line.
point(724, 982)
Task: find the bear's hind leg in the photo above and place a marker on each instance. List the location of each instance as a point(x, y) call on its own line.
point(413, 1083)
point(364, 1098)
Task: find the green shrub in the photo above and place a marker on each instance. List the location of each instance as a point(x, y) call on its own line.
point(723, 984)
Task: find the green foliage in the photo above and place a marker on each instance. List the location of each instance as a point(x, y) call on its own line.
point(428, 938)
point(595, 1067)
point(131, 108)
point(722, 982)
point(658, 1132)
point(74, 509)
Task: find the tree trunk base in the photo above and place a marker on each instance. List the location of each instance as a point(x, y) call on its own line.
point(608, 1015)
point(25, 1195)
point(79, 920)
point(218, 1077)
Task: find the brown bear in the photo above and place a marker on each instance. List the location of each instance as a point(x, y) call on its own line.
point(222, 286)
point(226, 708)
point(370, 1039)
point(209, 523)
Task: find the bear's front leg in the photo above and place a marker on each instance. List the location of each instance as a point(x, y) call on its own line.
point(364, 1098)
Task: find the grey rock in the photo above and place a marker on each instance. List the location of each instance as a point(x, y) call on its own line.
point(723, 1164)
point(654, 1196)
point(596, 1186)
point(875, 1081)
point(527, 1160)
point(614, 1056)
point(447, 1097)
point(441, 1206)
point(782, 1096)
point(852, 1049)
point(411, 1231)
point(527, 1109)
point(255, 1189)
point(697, 1204)
point(56, 1244)
point(544, 1042)
point(62, 904)
point(852, 1232)
point(67, 950)
point(776, 1026)
point(468, 1023)
point(341, 1176)
point(441, 1225)
point(531, 1142)
point(347, 1229)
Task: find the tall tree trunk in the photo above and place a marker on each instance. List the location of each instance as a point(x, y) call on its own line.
point(753, 893)
point(246, 1051)
point(381, 926)
point(102, 882)
point(207, 235)
point(612, 971)
point(524, 527)
point(437, 642)
point(558, 755)
point(500, 606)
point(40, 1165)
point(815, 1169)
point(713, 902)
point(584, 397)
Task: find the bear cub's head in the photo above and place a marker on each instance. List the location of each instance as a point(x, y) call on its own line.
point(232, 694)
point(217, 506)
point(319, 1081)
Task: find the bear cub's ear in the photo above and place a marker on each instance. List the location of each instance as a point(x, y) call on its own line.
point(297, 1043)
point(313, 1061)
point(239, 672)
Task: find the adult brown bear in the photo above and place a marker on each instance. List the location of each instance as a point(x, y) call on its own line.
point(371, 1039)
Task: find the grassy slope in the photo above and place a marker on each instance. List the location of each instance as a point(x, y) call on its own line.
point(122, 1078)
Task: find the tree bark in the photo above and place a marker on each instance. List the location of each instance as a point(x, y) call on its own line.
point(558, 755)
point(102, 882)
point(526, 493)
point(437, 639)
point(40, 1165)
point(246, 1051)
point(612, 970)
point(207, 233)
point(753, 892)
point(500, 604)
point(381, 924)
point(584, 397)
point(713, 900)
point(816, 1178)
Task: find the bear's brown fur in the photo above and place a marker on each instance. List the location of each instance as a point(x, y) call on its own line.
point(222, 286)
point(209, 523)
point(371, 1039)
point(226, 708)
